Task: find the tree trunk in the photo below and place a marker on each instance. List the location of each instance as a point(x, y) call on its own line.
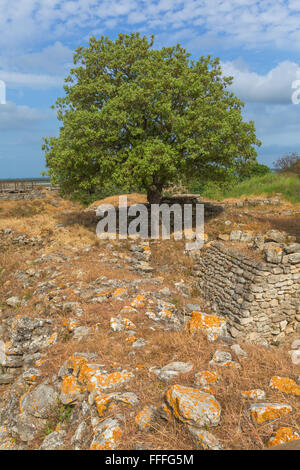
point(154, 195)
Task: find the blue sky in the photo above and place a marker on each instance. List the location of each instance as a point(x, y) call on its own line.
point(258, 43)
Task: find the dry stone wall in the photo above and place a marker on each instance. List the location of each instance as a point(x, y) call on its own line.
point(19, 196)
point(260, 300)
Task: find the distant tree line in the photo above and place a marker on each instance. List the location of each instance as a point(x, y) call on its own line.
point(289, 163)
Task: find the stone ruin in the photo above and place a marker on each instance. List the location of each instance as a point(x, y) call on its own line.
point(259, 299)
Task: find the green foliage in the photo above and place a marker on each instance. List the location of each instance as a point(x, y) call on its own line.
point(87, 197)
point(135, 116)
point(64, 414)
point(256, 169)
point(61, 415)
point(268, 185)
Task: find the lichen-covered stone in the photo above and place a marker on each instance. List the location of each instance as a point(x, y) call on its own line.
point(223, 359)
point(172, 370)
point(39, 402)
point(285, 385)
point(70, 390)
point(205, 377)
point(262, 412)
point(119, 324)
point(211, 324)
point(255, 394)
point(282, 435)
point(54, 441)
point(107, 435)
point(193, 406)
point(204, 439)
point(95, 380)
point(145, 418)
point(108, 401)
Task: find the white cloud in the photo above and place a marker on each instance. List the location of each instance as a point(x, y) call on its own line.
point(275, 124)
point(53, 59)
point(37, 70)
point(273, 87)
point(247, 23)
point(15, 117)
point(35, 81)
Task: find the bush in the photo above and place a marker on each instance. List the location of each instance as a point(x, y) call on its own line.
point(257, 170)
point(266, 185)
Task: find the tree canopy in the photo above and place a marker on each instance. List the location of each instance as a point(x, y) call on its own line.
point(289, 163)
point(141, 117)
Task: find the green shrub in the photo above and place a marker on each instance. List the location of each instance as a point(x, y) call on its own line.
point(267, 185)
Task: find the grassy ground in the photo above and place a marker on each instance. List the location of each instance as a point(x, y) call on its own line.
point(268, 185)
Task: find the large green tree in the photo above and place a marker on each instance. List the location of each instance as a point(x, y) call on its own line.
point(141, 117)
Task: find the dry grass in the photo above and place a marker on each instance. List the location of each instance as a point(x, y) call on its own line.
point(132, 199)
point(235, 430)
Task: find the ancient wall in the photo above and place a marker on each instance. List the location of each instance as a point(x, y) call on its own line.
point(22, 196)
point(261, 300)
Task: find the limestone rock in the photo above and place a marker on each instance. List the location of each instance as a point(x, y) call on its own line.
point(70, 391)
point(282, 435)
point(205, 377)
point(255, 394)
point(204, 439)
point(262, 412)
point(39, 402)
point(13, 301)
point(223, 359)
point(213, 325)
point(171, 370)
point(109, 401)
point(54, 441)
point(145, 418)
point(191, 406)
point(28, 426)
point(285, 385)
point(107, 435)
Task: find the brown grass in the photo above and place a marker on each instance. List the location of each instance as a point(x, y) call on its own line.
point(235, 430)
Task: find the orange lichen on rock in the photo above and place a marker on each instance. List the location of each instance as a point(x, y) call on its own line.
point(144, 419)
point(130, 339)
point(208, 323)
point(208, 389)
point(205, 377)
point(109, 401)
point(129, 325)
point(205, 440)
point(107, 435)
point(282, 435)
point(70, 324)
point(96, 380)
point(75, 364)
point(138, 301)
point(103, 294)
point(285, 385)
point(102, 403)
point(193, 406)
point(254, 394)
point(51, 340)
point(70, 390)
point(261, 412)
point(119, 292)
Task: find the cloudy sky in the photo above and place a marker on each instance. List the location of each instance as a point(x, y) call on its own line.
point(258, 43)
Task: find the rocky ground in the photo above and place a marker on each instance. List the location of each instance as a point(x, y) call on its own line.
point(109, 345)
